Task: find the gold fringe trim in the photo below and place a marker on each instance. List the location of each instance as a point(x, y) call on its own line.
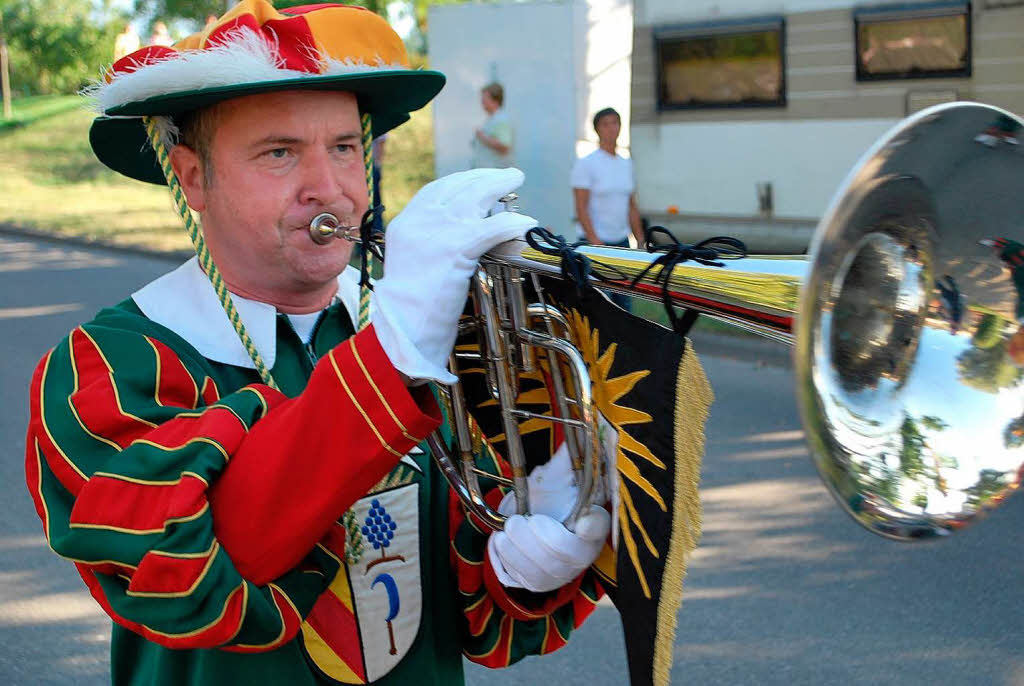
point(693, 398)
point(392, 480)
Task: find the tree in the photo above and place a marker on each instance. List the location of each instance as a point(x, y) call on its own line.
point(197, 10)
point(55, 51)
point(1013, 434)
point(5, 72)
point(987, 369)
point(989, 485)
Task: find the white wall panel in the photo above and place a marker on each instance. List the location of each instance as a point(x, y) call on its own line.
point(712, 168)
point(529, 49)
point(607, 46)
point(652, 12)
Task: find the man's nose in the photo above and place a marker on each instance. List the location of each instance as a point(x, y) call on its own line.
point(320, 182)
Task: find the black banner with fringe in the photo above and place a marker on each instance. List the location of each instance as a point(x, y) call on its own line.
point(653, 396)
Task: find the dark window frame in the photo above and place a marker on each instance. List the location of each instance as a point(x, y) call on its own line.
point(720, 28)
point(905, 12)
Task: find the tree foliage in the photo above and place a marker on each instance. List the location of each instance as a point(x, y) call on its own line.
point(987, 369)
point(56, 49)
point(197, 10)
point(989, 485)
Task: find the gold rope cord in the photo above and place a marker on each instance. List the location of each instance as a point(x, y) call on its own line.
point(353, 539)
point(205, 259)
point(693, 398)
point(364, 293)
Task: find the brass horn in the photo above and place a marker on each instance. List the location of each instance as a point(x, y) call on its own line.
point(905, 322)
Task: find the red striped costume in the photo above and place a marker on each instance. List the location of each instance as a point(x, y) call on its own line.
point(201, 509)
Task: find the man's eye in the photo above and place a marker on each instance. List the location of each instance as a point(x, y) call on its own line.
point(345, 148)
point(277, 153)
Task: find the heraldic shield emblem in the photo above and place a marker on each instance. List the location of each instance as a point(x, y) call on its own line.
point(365, 623)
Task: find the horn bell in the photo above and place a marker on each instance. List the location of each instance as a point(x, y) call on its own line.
point(907, 375)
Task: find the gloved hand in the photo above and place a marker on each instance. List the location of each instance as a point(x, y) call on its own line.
point(552, 487)
point(431, 251)
point(537, 552)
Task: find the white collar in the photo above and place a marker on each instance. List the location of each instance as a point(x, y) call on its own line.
point(184, 301)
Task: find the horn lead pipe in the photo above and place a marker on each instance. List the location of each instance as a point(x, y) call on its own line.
point(325, 227)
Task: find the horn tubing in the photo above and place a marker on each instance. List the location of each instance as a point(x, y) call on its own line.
point(759, 293)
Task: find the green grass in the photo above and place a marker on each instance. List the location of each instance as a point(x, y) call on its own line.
point(50, 180)
point(408, 161)
point(28, 110)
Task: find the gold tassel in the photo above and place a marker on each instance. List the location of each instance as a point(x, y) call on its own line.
point(693, 398)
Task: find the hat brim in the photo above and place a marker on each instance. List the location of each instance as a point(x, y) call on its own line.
point(120, 142)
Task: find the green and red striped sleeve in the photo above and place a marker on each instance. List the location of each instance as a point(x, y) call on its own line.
point(502, 626)
point(126, 441)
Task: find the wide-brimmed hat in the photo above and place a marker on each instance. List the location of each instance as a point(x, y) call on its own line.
point(252, 49)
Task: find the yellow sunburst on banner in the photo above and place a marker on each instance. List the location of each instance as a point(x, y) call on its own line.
point(608, 391)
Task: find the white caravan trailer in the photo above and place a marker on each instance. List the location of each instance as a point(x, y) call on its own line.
point(747, 114)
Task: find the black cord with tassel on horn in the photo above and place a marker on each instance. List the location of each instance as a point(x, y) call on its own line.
point(708, 252)
point(576, 267)
point(369, 244)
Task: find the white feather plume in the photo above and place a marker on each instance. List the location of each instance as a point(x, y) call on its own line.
point(245, 57)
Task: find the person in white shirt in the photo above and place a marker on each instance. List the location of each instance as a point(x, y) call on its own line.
point(604, 189)
point(492, 143)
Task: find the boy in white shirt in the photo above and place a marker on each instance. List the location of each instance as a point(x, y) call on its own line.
point(604, 189)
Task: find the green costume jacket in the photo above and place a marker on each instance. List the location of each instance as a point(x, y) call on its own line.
point(203, 509)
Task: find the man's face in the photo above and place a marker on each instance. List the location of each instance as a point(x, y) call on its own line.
point(489, 104)
point(278, 160)
point(608, 128)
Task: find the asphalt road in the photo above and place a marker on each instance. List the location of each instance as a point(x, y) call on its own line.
point(784, 589)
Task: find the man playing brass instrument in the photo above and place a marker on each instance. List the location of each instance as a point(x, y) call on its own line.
point(248, 496)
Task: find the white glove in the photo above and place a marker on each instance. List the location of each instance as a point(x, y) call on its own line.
point(552, 487)
point(537, 553)
point(431, 251)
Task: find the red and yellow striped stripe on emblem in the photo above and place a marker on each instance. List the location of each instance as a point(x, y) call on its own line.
point(331, 631)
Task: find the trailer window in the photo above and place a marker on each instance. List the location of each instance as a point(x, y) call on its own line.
point(721, 65)
point(910, 43)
